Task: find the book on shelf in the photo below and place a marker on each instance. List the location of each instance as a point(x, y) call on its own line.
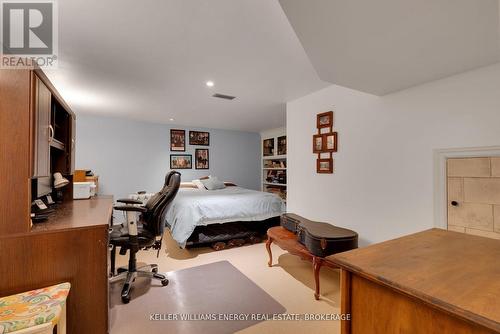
point(274, 164)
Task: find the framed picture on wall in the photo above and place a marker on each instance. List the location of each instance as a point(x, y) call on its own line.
point(201, 158)
point(181, 161)
point(268, 147)
point(177, 140)
point(324, 166)
point(330, 142)
point(282, 145)
point(318, 143)
point(199, 138)
point(324, 120)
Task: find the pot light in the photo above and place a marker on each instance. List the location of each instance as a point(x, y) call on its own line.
point(210, 83)
point(171, 120)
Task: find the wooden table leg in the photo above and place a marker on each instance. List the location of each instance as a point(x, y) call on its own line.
point(317, 262)
point(268, 247)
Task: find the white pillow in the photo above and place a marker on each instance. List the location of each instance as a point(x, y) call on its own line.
point(213, 183)
point(199, 184)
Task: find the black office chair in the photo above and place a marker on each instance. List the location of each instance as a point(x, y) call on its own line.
point(152, 205)
point(143, 233)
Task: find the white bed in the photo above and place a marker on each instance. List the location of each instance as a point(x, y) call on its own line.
point(196, 207)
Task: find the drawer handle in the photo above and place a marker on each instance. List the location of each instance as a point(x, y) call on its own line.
point(454, 203)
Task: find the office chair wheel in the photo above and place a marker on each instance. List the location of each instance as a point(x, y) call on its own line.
point(155, 270)
point(126, 299)
point(164, 282)
point(126, 293)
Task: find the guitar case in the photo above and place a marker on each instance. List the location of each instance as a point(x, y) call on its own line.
point(321, 239)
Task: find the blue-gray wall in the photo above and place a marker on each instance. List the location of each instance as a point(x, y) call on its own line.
point(131, 155)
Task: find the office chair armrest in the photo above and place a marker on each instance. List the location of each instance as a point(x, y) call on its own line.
point(129, 201)
point(130, 208)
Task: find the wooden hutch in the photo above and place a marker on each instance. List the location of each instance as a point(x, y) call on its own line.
point(37, 131)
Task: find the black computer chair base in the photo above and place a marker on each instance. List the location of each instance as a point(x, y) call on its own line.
point(129, 274)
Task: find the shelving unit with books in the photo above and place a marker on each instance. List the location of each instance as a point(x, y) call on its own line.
point(274, 162)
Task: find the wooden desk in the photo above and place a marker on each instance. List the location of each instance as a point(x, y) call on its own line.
point(72, 246)
point(287, 240)
point(435, 281)
point(83, 213)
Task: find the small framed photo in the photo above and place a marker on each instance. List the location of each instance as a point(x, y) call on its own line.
point(268, 147)
point(330, 142)
point(282, 145)
point(200, 138)
point(325, 120)
point(324, 166)
point(318, 143)
point(201, 158)
point(177, 140)
point(181, 161)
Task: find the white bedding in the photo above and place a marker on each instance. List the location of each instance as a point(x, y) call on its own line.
point(194, 207)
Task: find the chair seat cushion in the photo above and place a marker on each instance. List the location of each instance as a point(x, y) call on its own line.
point(32, 308)
point(144, 198)
point(119, 236)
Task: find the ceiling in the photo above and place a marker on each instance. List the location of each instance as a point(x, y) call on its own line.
point(149, 60)
point(388, 45)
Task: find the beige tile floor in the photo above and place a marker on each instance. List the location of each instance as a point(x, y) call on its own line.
point(289, 281)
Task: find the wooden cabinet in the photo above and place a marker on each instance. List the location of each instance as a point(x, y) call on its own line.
point(37, 131)
point(432, 282)
point(28, 147)
point(62, 143)
point(71, 247)
point(42, 129)
point(15, 145)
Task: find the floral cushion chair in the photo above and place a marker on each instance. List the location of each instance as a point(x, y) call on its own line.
point(37, 311)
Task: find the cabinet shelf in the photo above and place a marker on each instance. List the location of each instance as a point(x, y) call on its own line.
point(274, 157)
point(57, 144)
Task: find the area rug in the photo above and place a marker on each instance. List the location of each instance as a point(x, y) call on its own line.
point(213, 298)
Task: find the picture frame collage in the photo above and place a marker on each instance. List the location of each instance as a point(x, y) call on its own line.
point(178, 144)
point(325, 143)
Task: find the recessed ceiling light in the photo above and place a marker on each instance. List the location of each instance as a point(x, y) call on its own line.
point(210, 83)
point(171, 120)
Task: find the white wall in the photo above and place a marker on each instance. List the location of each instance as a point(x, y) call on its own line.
point(130, 155)
point(383, 184)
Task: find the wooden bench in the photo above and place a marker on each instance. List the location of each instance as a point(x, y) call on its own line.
point(287, 240)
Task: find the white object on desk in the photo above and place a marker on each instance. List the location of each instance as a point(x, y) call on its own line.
point(40, 204)
point(93, 188)
point(82, 190)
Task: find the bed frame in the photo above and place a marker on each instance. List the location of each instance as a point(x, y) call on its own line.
point(208, 235)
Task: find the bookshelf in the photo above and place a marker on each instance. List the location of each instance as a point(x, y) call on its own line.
point(274, 162)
